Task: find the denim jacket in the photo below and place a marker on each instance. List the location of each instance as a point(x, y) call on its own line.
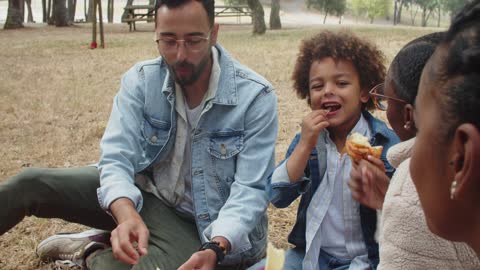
point(232, 149)
point(283, 194)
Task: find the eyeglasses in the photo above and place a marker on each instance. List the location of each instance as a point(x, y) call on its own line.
point(380, 100)
point(192, 43)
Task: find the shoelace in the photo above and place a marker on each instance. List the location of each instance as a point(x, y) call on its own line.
point(66, 264)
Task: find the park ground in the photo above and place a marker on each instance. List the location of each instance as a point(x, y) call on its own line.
point(56, 96)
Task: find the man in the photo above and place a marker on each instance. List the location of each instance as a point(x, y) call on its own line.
point(185, 158)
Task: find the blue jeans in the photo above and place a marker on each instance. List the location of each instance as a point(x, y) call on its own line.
point(294, 258)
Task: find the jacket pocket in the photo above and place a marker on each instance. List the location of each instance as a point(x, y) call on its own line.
point(223, 148)
point(226, 145)
point(155, 132)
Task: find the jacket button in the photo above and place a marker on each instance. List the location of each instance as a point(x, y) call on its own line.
point(154, 138)
point(223, 149)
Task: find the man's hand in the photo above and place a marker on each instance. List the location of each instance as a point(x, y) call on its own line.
point(201, 260)
point(130, 238)
point(368, 182)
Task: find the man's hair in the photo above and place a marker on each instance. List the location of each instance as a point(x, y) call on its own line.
point(406, 67)
point(365, 57)
point(457, 76)
point(208, 5)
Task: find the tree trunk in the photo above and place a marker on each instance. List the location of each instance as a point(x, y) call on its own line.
point(14, 15)
point(424, 16)
point(399, 16)
point(258, 17)
point(90, 14)
point(72, 6)
point(395, 10)
point(325, 17)
point(29, 11)
point(22, 8)
point(275, 22)
point(110, 11)
point(125, 13)
point(44, 11)
point(413, 15)
point(439, 15)
point(60, 13)
point(49, 12)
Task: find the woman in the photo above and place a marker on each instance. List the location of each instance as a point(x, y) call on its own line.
point(405, 241)
point(445, 163)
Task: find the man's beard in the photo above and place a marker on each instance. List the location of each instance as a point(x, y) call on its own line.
point(193, 73)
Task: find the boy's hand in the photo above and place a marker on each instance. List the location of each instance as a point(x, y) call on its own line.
point(368, 182)
point(312, 125)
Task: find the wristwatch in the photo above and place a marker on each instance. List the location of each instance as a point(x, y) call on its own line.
point(217, 247)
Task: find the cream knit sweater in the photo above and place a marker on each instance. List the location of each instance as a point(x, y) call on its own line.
point(405, 240)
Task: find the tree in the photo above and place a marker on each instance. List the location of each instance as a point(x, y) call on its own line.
point(14, 15)
point(59, 13)
point(30, 13)
point(427, 6)
point(110, 11)
point(452, 6)
point(258, 17)
point(334, 7)
point(370, 8)
point(71, 6)
point(275, 22)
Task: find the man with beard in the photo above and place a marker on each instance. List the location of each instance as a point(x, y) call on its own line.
point(184, 162)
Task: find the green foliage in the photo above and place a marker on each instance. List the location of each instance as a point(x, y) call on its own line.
point(370, 8)
point(335, 7)
point(451, 6)
point(235, 2)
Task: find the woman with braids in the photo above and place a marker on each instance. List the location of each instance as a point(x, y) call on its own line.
point(405, 240)
point(445, 163)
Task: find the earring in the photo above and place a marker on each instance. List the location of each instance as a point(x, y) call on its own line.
point(405, 126)
point(453, 189)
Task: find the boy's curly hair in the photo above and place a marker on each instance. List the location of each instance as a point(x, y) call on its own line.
point(367, 59)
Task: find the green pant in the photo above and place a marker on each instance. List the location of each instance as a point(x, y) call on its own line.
point(70, 194)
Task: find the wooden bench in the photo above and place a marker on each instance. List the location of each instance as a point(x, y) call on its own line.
point(233, 11)
point(136, 13)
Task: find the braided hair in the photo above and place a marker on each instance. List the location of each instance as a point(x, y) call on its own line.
point(458, 73)
point(406, 68)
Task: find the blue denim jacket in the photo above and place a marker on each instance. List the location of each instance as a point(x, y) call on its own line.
point(283, 194)
point(232, 149)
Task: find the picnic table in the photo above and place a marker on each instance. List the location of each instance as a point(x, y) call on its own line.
point(233, 11)
point(137, 13)
point(146, 13)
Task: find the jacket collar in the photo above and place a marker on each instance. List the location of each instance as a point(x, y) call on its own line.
point(379, 129)
point(227, 88)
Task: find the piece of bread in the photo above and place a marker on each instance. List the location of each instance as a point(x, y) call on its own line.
point(358, 147)
point(275, 258)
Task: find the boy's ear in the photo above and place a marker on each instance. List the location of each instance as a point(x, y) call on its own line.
point(467, 162)
point(364, 95)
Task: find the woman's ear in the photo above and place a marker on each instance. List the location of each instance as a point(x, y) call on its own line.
point(466, 162)
point(408, 119)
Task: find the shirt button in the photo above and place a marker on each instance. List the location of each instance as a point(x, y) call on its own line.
point(154, 138)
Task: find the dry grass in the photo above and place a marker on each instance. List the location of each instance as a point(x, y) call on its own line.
point(56, 97)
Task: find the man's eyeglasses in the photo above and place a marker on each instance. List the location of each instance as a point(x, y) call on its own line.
point(192, 43)
point(379, 98)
